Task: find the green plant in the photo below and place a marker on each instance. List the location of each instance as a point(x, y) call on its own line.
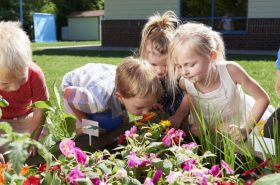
point(60, 124)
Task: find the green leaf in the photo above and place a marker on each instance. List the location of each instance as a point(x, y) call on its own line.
point(6, 127)
point(104, 168)
point(133, 118)
point(57, 96)
point(56, 180)
point(18, 154)
point(8, 177)
point(83, 181)
point(43, 152)
point(43, 105)
point(272, 179)
point(49, 141)
point(70, 123)
point(3, 102)
point(47, 179)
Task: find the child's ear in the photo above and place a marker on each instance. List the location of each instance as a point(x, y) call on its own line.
point(119, 96)
point(213, 55)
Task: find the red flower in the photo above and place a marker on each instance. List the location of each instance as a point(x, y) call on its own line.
point(32, 180)
point(248, 172)
point(147, 117)
point(121, 139)
point(42, 168)
point(263, 164)
point(225, 183)
point(55, 167)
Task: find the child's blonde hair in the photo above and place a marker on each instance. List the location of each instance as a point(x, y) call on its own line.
point(15, 49)
point(199, 39)
point(158, 32)
point(135, 77)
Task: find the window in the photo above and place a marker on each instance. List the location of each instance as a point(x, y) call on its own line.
point(226, 16)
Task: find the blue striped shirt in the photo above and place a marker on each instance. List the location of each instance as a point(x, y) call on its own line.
point(93, 88)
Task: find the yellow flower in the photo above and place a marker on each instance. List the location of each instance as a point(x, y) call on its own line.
point(138, 123)
point(260, 126)
point(165, 123)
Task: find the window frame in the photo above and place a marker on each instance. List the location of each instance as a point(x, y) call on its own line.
point(213, 18)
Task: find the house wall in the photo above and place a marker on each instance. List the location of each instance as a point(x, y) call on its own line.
point(124, 20)
point(83, 28)
point(137, 9)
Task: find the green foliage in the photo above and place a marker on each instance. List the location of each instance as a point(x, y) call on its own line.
point(272, 179)
point(61, 125)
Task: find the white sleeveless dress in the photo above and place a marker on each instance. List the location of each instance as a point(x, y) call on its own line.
point(228, 104)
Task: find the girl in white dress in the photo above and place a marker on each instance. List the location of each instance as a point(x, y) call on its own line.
point(215, 86)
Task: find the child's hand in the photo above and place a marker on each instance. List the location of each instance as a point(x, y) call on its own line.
point(237, 133)
point(32, 151)
point(176, 121)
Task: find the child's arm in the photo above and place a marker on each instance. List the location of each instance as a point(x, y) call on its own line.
point(37, 122)
point(240, 76)
point(183, 109)
point(79, 114)
point(180, 114)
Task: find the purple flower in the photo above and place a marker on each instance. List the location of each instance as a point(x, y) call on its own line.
point(216, 171)
point(188, 164)
point(173, 135)
point(157, 176)
point(227, 167)
point(133, 160)
point(129, 133)
point(74, 174)
point(95, 181)
point(80, 155)
point(190, 146)
point(148, 181)
point(66, 146)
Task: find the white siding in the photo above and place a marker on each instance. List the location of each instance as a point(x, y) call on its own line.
point(264, 9)
point(138, 9)
point(83, 28)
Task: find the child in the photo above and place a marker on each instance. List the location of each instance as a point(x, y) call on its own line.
point(22, 82)
point(156, 37)
point(214, 86)
point(275, 117)
point(97, 88)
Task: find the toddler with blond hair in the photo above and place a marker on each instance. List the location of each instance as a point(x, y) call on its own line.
point(22, 82)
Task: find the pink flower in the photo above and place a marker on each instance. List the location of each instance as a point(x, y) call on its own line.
point(80, 155)
point(174, 176)
point(188, 164)
point(190, 146)
point(95, 181)
point(148, 181)
point(157, 176)
point(227, 167)
point(129, 133)
point(74, 174)
point(216, 171)
point(133, 160)
point(173, 135)
point(66, 146)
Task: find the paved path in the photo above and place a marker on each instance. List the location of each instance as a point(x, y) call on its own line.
point(108, 48)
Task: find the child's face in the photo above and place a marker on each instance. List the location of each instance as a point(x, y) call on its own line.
point(138, 105)
point(10, 83)
point(191, 66)
point(158, 61)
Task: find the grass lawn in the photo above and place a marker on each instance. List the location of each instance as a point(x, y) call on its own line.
point(56, 62)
